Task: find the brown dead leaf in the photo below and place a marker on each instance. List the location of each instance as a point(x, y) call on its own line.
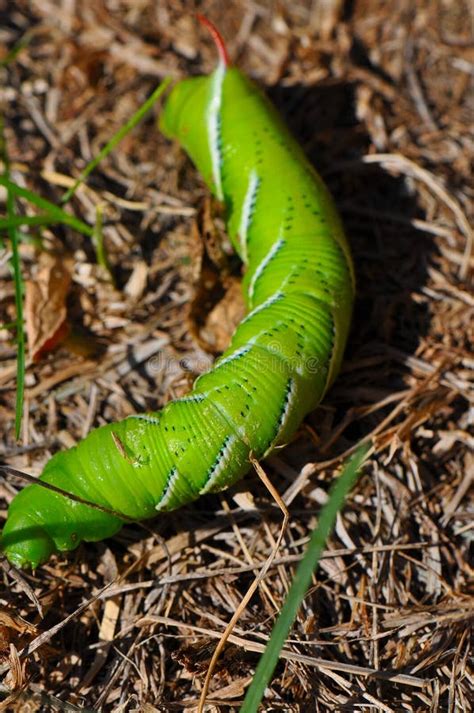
point(16, 677)
point(196, 656)
point(222, 320)
point(206, 252)
point(217, 305)
point(13, 631)
point(45, 304)
point(213, 239)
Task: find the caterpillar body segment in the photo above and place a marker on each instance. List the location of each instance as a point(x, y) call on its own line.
point(282, 358)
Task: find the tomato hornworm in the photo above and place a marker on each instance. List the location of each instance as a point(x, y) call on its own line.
point(282, 358)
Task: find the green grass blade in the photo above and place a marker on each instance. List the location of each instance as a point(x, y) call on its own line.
point(302, 580)
point(56, 215)
point(116, 138)
point(19, 290)
point(18, 221)
point(15, 51)
point(20, 334)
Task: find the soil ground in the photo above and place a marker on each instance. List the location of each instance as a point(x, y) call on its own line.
point(380, 96)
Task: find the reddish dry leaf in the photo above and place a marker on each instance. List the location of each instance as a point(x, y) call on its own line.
point(45, 304)
point(13, 630)
point(16, 677)
point(222, 320)
point(217, 305)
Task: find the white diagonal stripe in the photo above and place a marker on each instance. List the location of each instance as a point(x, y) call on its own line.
point(269, 301)
point(247, 210)
point(213, 127)
point(169, 490)
point(262, 265)
point(222, 462)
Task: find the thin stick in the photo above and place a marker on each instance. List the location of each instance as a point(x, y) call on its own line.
point(44, 484)
point(251, 590)
point(247, 554)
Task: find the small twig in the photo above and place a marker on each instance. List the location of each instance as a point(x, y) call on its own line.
point(12, 572)
point(247, 554)
point(53, 701)
point(253, 587)
point(416, 90)
point(76, 498)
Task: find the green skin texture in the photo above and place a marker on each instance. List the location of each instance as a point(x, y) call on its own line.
point(282, 358)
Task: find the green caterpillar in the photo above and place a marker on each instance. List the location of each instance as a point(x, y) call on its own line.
point(282, 358)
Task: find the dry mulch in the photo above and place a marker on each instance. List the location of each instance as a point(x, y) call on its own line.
point(380, 96)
